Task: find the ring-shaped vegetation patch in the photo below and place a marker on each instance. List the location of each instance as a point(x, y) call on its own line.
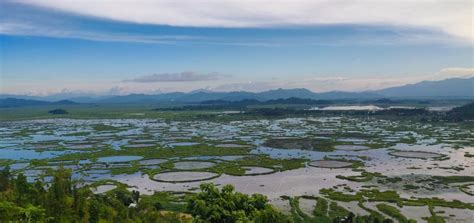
point(330, 164)
point(183, 176)
point(257, 170)
point(193, 165)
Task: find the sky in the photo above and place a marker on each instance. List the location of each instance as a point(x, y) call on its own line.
point(120, 47)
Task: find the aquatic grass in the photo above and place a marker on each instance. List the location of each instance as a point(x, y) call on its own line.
point(394, 213)
point(465, 188)
point(453, 179)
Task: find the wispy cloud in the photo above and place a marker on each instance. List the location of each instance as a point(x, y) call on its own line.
point(27, 29)
point(457, 71)
point(452, 17)
point(186, 76)
point(324, 83)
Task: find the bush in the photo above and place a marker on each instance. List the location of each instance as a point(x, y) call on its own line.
point(226, 205)
point(58, 112)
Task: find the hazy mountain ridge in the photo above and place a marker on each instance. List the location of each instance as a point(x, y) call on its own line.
point(16, 102)
point(448, 88)
point(454, 87)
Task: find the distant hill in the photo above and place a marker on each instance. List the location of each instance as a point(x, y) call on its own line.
point(15, 102)
point(201, 96)
point(292, 100)
point(287, 93)
point(455, 88)
point(84, 98)
point(448, 88)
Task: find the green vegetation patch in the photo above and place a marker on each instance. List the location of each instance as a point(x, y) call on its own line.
point(363, 177)
point(453, 179)
point(466, 188)
point(394, 213)
point(215, 206)
point(103, 127)
point(322, 145)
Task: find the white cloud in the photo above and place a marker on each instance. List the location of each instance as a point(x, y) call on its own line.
point(22, 28)
point(248, 86)
point(177, 77)
point(324, 83)
point(452, 17)
point(321, 84)
point(457, 71)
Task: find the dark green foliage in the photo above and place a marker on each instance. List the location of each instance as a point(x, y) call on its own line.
point(465, 112)
point(454, 179)
point(4, 178)
point(363, 177)
point(103, 127)
point(226, 205)
point(62, 201)
point(410, 187)
point(394, 213)
point(58, 112)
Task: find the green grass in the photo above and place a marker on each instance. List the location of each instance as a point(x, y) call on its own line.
point(393, 212)
point(158, 152)
point(363, 177)
point(410, 187)
point(339, 196)
point(375, 195)
point(465, 188)
point(103, 127)
point(336, 211)
point(321, 208)
point(453, 179)
point(467, 154)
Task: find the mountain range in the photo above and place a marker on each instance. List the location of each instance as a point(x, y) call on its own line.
point(454, 88)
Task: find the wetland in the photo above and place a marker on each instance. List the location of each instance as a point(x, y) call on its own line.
point(395, 168)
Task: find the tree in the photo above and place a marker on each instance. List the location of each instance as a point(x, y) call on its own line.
point(33, 214)
point(228, 206)
point(135, 196)
point(5, 178)
point(21, 190)
point(63, 201)
point(59, 196)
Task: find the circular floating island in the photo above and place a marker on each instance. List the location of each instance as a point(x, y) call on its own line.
point(184, 176)
point(416, 154)
point(351, 147)
point(330, 164)
point(255, 170)
point(191, 165)
point(151, 162)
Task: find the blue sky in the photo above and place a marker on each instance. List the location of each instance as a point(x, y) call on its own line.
point(104, 48)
